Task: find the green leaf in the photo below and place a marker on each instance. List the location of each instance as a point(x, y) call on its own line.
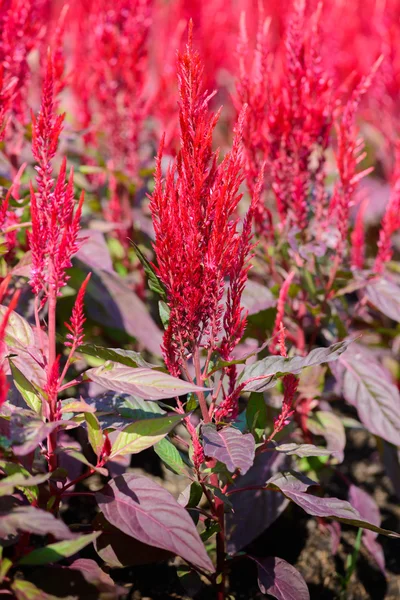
point(20, 480)
point(210, 530)
point(192, 403)
point(77, 406)
point(170, 456)
point(55, 552)
point(164, 311)
point(118, 355)
point(218, 494)
point(191, 496)
point(91, 169)
point(5, 566)
point(26, 590)
point(20, 473)
point(256, 414)
point(154, 283)
point(143, 434)
point(26, 389)
point(95, 433)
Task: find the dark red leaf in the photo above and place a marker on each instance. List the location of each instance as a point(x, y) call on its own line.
point(229, 446)
point(280, 579)
point(144, 510)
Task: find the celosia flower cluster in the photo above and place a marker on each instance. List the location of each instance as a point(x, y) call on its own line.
point(4, 318)
point(22, 28)
point(289, 116)
point(198, 244)
point(110, 86)
point(55, 216)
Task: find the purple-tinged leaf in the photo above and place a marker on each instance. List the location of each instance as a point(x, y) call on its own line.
point(26, 389)
point(311, 381)
point(294, 486)
point(94, 252)
point(28, 362)
point(191, 495)
point(114, 304)
point(117, 549)
point(303, 450)
point(77, 406)
point(118, 465)
point(28, 431)
point(385, 296)
point(391, 460)
point(26, 590)
point(142, 382)
point(32, 520)
point(229, 446)
point(254, 510)
point(55, 552)
point(280, 579)
point(97, 577)
point(141, 435)
point(144, 510)
point(23, 267)
point(71, 465)
point(115, 411)
point(17, 329)
point(335, 531)
point(78, 456)
point(128, 358)
point(329, 426)
point(257, 297)
point(261, 375)
point(368, 510)
point(18, 480)
point(365, 386)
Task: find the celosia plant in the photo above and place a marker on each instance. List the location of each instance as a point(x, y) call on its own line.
point(271, 296)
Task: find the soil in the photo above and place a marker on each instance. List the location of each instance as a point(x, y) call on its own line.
point(297, 538)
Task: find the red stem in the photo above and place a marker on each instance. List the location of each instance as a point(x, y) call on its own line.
point(52, 438)
point(218, 508)
point(199, 381)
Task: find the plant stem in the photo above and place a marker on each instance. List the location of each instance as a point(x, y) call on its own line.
point(219, 507)
point(17, 226)
point(218, 504)
point(199, 381)
point(52, 438)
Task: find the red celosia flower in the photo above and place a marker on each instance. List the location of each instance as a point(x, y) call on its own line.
point(283, 294)
point(229, 407)
point(110, 73)
point(8, 218)
point(198, 457)
point(3, 325)
point(390, 223)
point(290, 384)
point(349, 154)
point(55, 221)
point(53, 380)
point(358, 238)
point(75, 326)
point(105, 451)
point(289, 116)
point(197, 242)
point(22, 27)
